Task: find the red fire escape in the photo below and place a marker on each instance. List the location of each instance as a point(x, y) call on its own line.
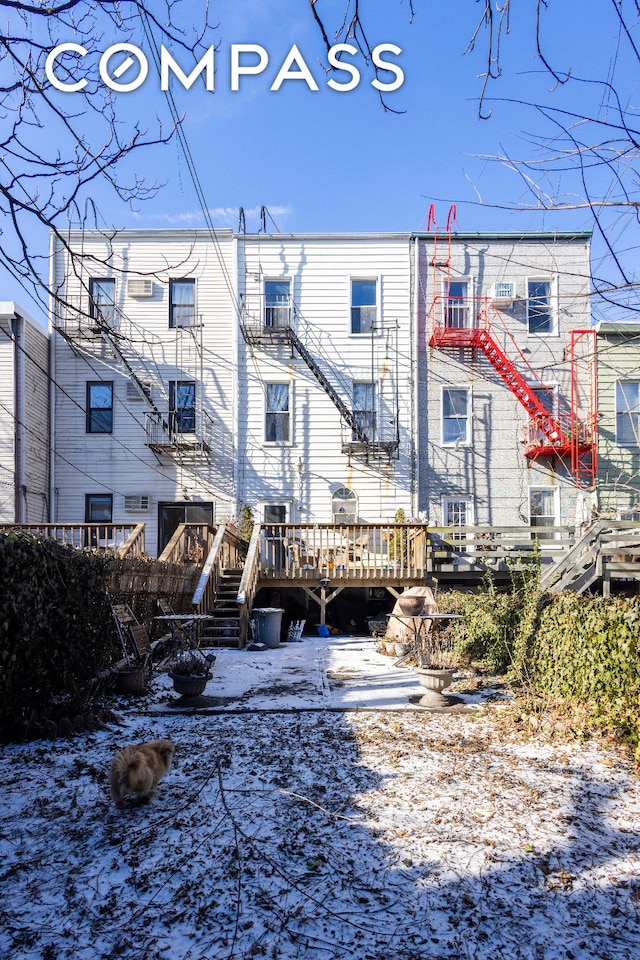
point(457, 322)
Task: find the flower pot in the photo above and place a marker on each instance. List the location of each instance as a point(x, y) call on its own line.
point(434, 681)
point(131, 679)
point(189, 686)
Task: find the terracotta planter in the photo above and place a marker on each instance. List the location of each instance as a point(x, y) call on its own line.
point(189, 686)
point(433, 681)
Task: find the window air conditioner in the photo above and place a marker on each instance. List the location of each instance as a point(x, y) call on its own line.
point(140, 287)
point(504, 292)
point(137, 502)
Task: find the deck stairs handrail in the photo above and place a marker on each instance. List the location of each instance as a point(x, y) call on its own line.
point(249, 583)
point(576, 561)
point(223, 553)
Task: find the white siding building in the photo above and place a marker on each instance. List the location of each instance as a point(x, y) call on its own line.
point(327, 326)
point(496, 314)
point(322, 377)
point(145, 359)
point(24, 417)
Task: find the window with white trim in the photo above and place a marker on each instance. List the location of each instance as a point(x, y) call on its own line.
point(456, 309)
point(628, 413)
point(364, 408)
point(364, 306)
point(543, 508)
point(457, 512)
point(182, 303)
point(277, 428)
point(540, 319)
point(102, 300)
point(456, 415)
point(277, 303)
point(344, 505)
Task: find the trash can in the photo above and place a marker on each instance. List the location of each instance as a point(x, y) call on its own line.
point(268, 625)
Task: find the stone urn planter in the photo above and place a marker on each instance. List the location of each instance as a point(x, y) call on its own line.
point(190, 672)
point(189, 686)
point(433, 680)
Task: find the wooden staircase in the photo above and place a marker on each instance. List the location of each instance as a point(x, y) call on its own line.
point(224, 629)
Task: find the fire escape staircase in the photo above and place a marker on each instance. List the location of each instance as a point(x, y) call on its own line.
point(480, 338)
point(286, 334)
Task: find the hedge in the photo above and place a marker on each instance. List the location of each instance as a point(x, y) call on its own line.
point(56, 630)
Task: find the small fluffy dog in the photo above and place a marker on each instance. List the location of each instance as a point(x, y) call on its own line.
point(137, 769)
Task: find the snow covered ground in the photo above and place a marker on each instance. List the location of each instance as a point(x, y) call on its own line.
point(315, 810)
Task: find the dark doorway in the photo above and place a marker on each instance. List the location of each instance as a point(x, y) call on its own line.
point(171, 515)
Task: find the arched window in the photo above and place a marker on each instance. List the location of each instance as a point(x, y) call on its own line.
point(344, 506)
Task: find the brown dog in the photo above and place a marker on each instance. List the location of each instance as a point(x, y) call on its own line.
point(137, 769)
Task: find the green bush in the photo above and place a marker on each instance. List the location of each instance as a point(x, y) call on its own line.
point(56, 629)
point(588, 650)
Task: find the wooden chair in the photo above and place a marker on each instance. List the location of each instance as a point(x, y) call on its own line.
point(133, 635)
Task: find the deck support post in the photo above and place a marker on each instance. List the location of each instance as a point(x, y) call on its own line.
point(323, 599)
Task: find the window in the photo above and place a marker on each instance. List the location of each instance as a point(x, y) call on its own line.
point(539, 312)
point(344, 506)
point(364, 408)
point(363, 306)
point(456, 312)
point(455, 415)
point(99, 407)
point(457, 513)
point(182, 406)
point(542, 507)
point(628, 413)
point(276, 428)
point(547, 396)
point(102, 298)
point(98, 508)
point(182, 303)
point(277, 303)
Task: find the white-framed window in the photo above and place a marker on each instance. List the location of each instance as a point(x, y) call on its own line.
point(182, 303)
point(277, 303)
point(456, 415)
point(102, 300)
point(541, 319)
point(364, 305)
point(456, 303)
point(628, 413)
point(543, 508)
point(344, 505)
point(547, 396)
point(457, 512)
point(277, 425)
point(364, 407)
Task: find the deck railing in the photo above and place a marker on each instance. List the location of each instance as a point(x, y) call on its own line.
point(400, 552)
point(249, 584)
point(126, 539)
point(191, 542)
point(364, 551)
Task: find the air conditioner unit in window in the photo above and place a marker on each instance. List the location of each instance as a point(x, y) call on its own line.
point(504, 292)
point(139, 287)
point(135, 392)
point(137, 503)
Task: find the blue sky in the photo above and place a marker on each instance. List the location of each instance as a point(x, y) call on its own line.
point(329, 161)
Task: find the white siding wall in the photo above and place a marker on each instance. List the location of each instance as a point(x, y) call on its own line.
point(7, 424)
point(24, 417)
point(304, 473)
point(492, 471)
point(618, 465)
point(120, 463)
